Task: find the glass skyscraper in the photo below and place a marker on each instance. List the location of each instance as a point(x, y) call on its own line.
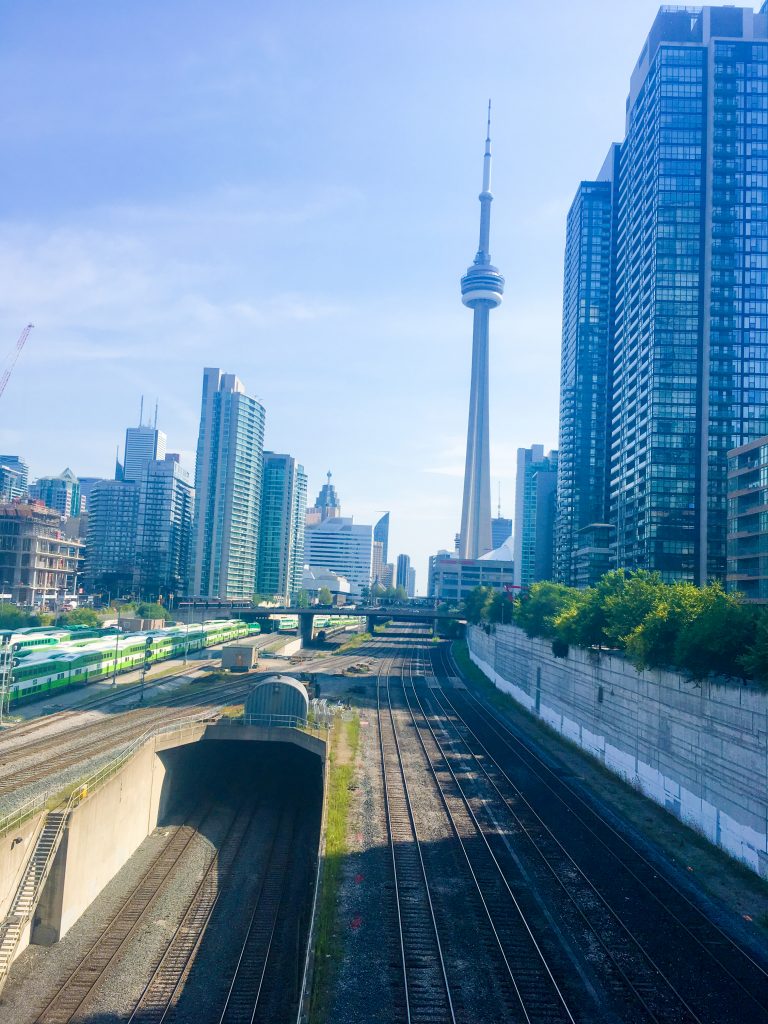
point(586, 364)
point(227, 489)
point(689, 343)
point(281, 532)
point(535, 490)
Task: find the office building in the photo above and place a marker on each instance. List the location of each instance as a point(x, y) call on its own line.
point(403, 565)
point(113, 511)
point(689, 288)
point(327, 505)
point(501, 530)
point(747, 521)
point(377, 561)
point(281, 531)
point(381, 536)
point(481, 289)
point(14, 477)
point(39, 566)
point(452, 579)
point(410, 586)
point(227, 489)
point(163, 531)
point(535, 489)
point(315, 579)
point(143, 444)
point(343, 547)
point(61, 493)
point(586, 366)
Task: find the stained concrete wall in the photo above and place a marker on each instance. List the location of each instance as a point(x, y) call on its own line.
point(102, 834)
point(698, 749)
point(15, 848)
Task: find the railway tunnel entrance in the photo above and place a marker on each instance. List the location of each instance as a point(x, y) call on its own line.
point(209, 915)
point(258, 808)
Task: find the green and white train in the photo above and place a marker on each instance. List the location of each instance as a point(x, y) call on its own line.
point(47, 660)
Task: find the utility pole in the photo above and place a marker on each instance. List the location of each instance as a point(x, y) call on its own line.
point(145, 666)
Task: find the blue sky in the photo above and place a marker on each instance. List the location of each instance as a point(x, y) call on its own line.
point(289, 191)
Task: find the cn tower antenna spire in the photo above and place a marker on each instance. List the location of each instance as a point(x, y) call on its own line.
point(482, 288)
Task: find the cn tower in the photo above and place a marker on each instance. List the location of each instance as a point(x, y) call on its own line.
point(481, 289)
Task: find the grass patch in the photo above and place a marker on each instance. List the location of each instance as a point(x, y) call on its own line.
point(233, 711)
point(351, 644)
point(345, 739)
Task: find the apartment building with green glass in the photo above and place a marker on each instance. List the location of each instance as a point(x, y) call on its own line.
point(227, 489)
point(281, 531)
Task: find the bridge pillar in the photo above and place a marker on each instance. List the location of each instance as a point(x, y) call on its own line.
point(306, 627)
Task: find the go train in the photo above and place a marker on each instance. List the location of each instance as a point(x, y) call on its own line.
point(47, 660)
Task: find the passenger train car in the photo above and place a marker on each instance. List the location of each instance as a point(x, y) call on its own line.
point(47, 660)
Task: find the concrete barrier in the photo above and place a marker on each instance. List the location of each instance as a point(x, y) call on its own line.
point(106, 828)
point(698, 749)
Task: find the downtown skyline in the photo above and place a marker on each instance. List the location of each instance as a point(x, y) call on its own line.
point(151, 246)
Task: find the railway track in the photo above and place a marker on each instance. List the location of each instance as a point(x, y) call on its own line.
point(609, 883)
point(244, 1003)
point(32, 763)
point(169, 974)
point(531, 965)
point(426, 991)
point(79, 987)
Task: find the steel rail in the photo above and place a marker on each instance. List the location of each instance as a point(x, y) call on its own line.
point(539, 767)
point(404, 874)
point(92, 966)
point(246, 987)
point(651, 981)
point(158, 995)
point(560, 1005)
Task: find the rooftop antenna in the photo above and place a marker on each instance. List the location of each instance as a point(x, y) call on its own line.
point(156, 414)
point(499, 511)
point(141, 412)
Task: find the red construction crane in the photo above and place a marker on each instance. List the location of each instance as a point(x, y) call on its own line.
point(14, 357)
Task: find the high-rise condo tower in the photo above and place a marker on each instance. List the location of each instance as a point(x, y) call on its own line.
point(481, 289)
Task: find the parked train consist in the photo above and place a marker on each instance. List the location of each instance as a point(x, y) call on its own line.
point(47, 660)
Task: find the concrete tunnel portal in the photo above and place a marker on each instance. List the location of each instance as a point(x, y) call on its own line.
point(250, 800)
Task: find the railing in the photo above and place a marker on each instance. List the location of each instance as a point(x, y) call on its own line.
point(277, 722)
point(38, 803)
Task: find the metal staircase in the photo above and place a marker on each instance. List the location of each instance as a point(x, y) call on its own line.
point(30, 888)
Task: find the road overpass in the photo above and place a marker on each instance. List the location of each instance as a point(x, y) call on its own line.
point(373, 614)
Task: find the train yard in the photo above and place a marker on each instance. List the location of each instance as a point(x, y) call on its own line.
point(482, 884)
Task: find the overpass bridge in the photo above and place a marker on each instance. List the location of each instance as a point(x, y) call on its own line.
point(373, 614)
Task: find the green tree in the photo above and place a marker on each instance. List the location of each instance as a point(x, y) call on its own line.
point(152, 610)
point(324, 596)
point(477, 603)
point(12, 617)
point(80, 617)
point(302, 599)
point(653, 641)
point(537, 611)
point(754, 661)
point(716, 638)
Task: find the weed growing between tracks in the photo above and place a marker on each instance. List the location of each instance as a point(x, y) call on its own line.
point(344, 743)
point(716, 872)
point(356, 641)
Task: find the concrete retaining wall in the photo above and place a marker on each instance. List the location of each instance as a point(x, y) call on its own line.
point(102, 834)
point(698, 749)
point(15, 848)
